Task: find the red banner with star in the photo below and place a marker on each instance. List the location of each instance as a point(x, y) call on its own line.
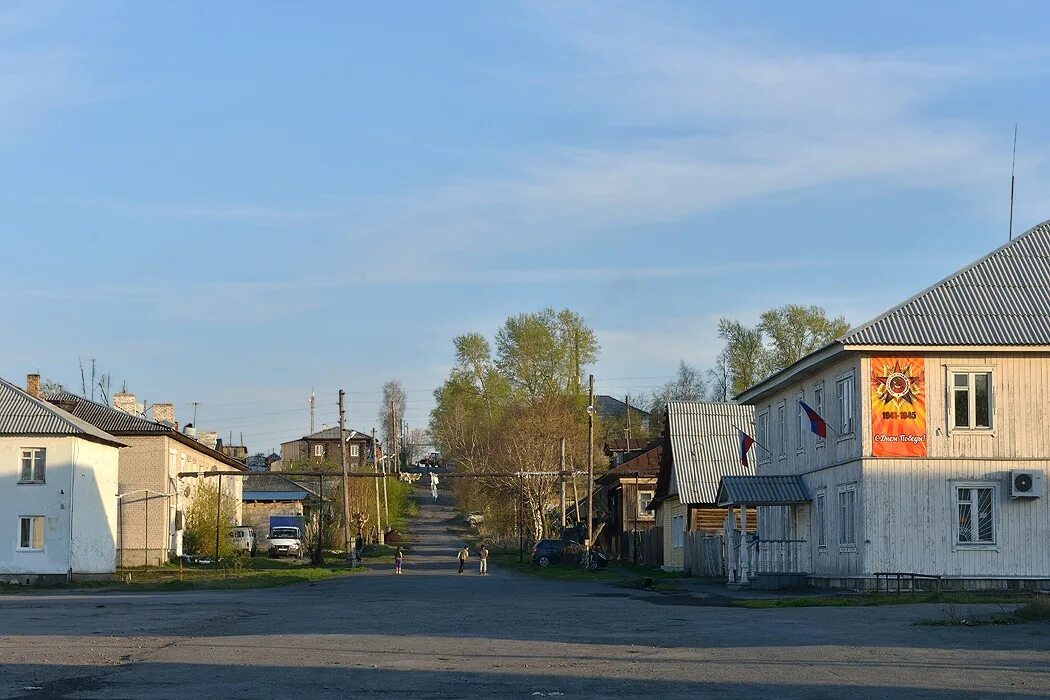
point(898, 407)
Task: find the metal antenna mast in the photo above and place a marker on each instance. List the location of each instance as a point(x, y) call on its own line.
point(1013, 164)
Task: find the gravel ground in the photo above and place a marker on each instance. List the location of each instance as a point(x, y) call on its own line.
point(433, 633)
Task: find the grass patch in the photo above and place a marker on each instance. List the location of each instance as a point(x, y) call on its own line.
point(243, 573)
point(871, 599)
point(620, 572)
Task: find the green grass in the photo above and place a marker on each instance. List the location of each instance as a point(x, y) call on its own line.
point(255, 572)
point(620, 572)
point(869, 599)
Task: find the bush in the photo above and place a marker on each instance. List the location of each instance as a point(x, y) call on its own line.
point(199, 536)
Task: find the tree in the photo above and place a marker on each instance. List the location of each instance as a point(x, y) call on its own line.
point(541, 354)
point(417, 446)
point(743, 356)
point(391, 412)
point(687, 385)
point(201, 521)
point(795, 331)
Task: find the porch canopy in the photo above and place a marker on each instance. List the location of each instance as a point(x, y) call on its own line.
point(778, 490)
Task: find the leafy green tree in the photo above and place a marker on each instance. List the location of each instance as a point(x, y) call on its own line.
point(688, 384)
point(209, 509)
point(795, 331)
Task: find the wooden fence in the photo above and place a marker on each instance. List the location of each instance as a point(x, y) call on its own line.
point(652, 548)
point(703, 555)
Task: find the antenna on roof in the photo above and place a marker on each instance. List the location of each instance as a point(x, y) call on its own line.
point(1013, 163)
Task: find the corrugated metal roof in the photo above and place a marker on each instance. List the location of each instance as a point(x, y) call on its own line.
point(781, 489)
point(1001, 299)
point(22, 414)
point(109, 419)
point(274, 483)
point(646, 464)
point(333, 434)
point(705, 446)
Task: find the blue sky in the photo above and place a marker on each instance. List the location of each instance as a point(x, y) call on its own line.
point(230, 203)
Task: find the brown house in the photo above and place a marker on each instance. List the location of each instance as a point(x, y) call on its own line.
point(323, 446)
point(627, 490)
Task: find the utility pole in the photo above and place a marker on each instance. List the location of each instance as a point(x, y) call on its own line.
point(346, 480)
point(562, 470)
point(393, 437)
point(313, 409)
point(590, 464)
point(380, 536)
point(627, 431)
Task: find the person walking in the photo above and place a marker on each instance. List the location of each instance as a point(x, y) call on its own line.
point(463, 554)
point(483, 555)
point(434, 485)
point(399, 557)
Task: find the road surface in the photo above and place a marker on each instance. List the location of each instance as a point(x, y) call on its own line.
point(435, 634)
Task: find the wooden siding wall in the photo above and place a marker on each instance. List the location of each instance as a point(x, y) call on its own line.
point(629, 503)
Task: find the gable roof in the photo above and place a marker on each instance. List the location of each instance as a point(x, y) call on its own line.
point(612, 407)
point(274, 487)
point(1001, 299)
point(22, 414)
point(116, 422)
point(647, 464)
point(333, 434)
point(704, 440)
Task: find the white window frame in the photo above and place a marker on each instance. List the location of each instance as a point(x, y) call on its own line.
point(355, 450)
point(821, 511)
point(677, 531)
point(848, 379)
point(956, 486)
point(845, 520)
point(972, 429)
point(37, 523)
point(319, 450)
point(818, 406)
point(642, 512)
point(782, 430)
point(32, 453)
point(800, 416)
point(762, 435)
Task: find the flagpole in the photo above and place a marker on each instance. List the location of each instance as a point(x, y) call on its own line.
point(769, 451)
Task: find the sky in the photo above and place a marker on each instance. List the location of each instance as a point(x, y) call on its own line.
point(235, 203)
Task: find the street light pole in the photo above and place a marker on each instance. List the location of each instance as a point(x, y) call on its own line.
point(590, 464)
point(346, 480)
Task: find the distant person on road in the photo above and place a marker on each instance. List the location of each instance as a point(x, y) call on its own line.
point(483, 555)
point(463, 554)
point(399, 557)
point(434, 485)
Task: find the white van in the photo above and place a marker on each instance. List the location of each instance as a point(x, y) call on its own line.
point(243, 538)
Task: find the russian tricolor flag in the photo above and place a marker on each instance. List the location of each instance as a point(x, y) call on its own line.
point(746, 441)
point(817, 424)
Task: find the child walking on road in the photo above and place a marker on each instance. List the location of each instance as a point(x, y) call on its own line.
point(483, 555)
point(463, 554)
point(399, 557)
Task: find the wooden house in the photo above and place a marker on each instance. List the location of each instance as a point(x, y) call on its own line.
point(936, 453)
point(627, 489)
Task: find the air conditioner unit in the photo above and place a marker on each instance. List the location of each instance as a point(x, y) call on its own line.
point(1026, 484)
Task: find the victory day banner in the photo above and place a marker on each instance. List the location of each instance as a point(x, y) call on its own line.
point(898, 407)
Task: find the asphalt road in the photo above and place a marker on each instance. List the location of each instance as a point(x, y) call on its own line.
point(433, 633)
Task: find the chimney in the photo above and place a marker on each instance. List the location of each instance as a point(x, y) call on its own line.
point(208, 437)
point(165, 413)
point(33, 385)
point(126, 403)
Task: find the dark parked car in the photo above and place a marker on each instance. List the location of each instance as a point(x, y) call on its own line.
point(548, 552)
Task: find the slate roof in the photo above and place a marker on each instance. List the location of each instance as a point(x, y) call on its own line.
point(1001, 299)
point(273, 487)
point(612, 407)
point(108, 419)
point(646, 464)
point(705, 446)
point(333, 434)
point(777, 490)
point(22, 414)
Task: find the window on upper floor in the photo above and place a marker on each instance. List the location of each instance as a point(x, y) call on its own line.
point(318, 450)
point(34, 462)
point(762, 436)
point(975, 504)
point(782, 430)
point(355, 450)
point(801, 423)
point(818, 406)
point(845, 392)
point(644, 498)
point(972, 401)
point(31, 533)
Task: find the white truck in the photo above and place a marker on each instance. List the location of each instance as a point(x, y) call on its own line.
point(286, 536)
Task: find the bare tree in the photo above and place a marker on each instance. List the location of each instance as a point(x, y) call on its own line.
point(392, 411)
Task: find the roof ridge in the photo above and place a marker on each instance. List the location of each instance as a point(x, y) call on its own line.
point(856, 330)
point(75, 426)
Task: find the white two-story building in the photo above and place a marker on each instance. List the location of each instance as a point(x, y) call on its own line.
point(938, 446)
point(58, 491)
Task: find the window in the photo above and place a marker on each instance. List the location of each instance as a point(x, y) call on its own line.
point(971, 401)
point(818, 406)
point(318, 450)
point(822, 530)
point(844, 390)
point(802, 422)
point(678, 531)
point(355, 450)
point(762, 436)
point(31, 533)
point(847, 518)
point(976, 507)
point(644, 498)
point(33, 459)
point(782, 430)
